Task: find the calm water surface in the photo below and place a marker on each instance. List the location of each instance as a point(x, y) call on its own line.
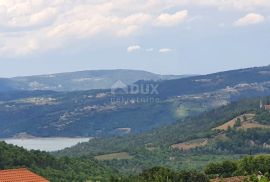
point(45, 144)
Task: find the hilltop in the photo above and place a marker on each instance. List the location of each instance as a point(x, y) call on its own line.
point(81, 80)
point(98, 113)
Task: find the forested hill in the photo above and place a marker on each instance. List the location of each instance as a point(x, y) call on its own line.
point(229, 132)
point(211, 82)
point(191, 128)
point(104, 113)
point(86, 169)
point(54, 169)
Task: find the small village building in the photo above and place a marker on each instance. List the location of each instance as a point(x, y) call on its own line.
point(267, 107)
point(20, 175)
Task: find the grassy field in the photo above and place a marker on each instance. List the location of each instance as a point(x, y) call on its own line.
point(247, 123)
point(117, 156)
point(231, 123)
point(191, 144)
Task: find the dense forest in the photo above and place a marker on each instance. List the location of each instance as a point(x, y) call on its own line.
point(255, 168)
point(250, 168)
point(85, 169)
point(190, 128)
point(144, 152)
point(154, 148)
point(62, 169)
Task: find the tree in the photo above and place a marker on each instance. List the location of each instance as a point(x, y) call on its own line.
point(237, 123)
point(223, 169)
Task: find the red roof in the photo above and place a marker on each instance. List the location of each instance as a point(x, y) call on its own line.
point(232, 179)
point(20, 175)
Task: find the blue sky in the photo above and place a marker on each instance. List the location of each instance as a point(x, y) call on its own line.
point(167, 37)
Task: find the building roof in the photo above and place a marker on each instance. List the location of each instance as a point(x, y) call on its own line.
point(267, 107)
point(232, 179)
point(20, 175)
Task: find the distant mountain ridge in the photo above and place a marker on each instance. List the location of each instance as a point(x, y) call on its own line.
point(81, 80)
point(212, 82)
point(94, 113)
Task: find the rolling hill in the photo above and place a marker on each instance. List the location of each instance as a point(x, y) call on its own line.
point(54, 169)
point(222, 80)
point(81, 80)
point(189, 144)
point(105, 113)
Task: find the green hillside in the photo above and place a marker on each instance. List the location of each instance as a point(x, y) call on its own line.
point(156, 148)
point(54, 169)
point(86, 169)
point(247, 169)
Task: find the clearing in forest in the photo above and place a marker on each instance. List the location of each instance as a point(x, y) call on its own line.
point(117, 156)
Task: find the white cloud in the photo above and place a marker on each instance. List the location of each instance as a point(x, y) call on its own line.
point(171, 19)
point(16, 14)
point(250, 19)
point(165, 50)
point(56, 23)
point(133, 48)
point(239, 5)
point(30, 26)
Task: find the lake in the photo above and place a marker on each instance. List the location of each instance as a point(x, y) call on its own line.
point(45, 144)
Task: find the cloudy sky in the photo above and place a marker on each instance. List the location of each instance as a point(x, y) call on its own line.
point(161, 36)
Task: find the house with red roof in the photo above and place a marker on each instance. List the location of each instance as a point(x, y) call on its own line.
point(20, 175)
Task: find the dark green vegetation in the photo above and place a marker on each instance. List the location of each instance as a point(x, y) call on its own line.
point(160, 174)
point(95, 113)
point(54, 169)
point(248, 166)
point(81, 80)
point(243, 142)
point(155, 148)
point(250, 169)
point(87, 169)
point(263, 117)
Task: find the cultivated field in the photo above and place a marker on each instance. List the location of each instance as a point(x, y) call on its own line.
point(191, 144)
point(117, 156)
point(246, 120)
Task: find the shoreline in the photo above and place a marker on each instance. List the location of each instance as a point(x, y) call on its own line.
point(48, 144)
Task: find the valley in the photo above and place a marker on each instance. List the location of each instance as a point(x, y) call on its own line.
point(191, 123)
point(134, 91)
point(94, 113)
point(189, 144)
